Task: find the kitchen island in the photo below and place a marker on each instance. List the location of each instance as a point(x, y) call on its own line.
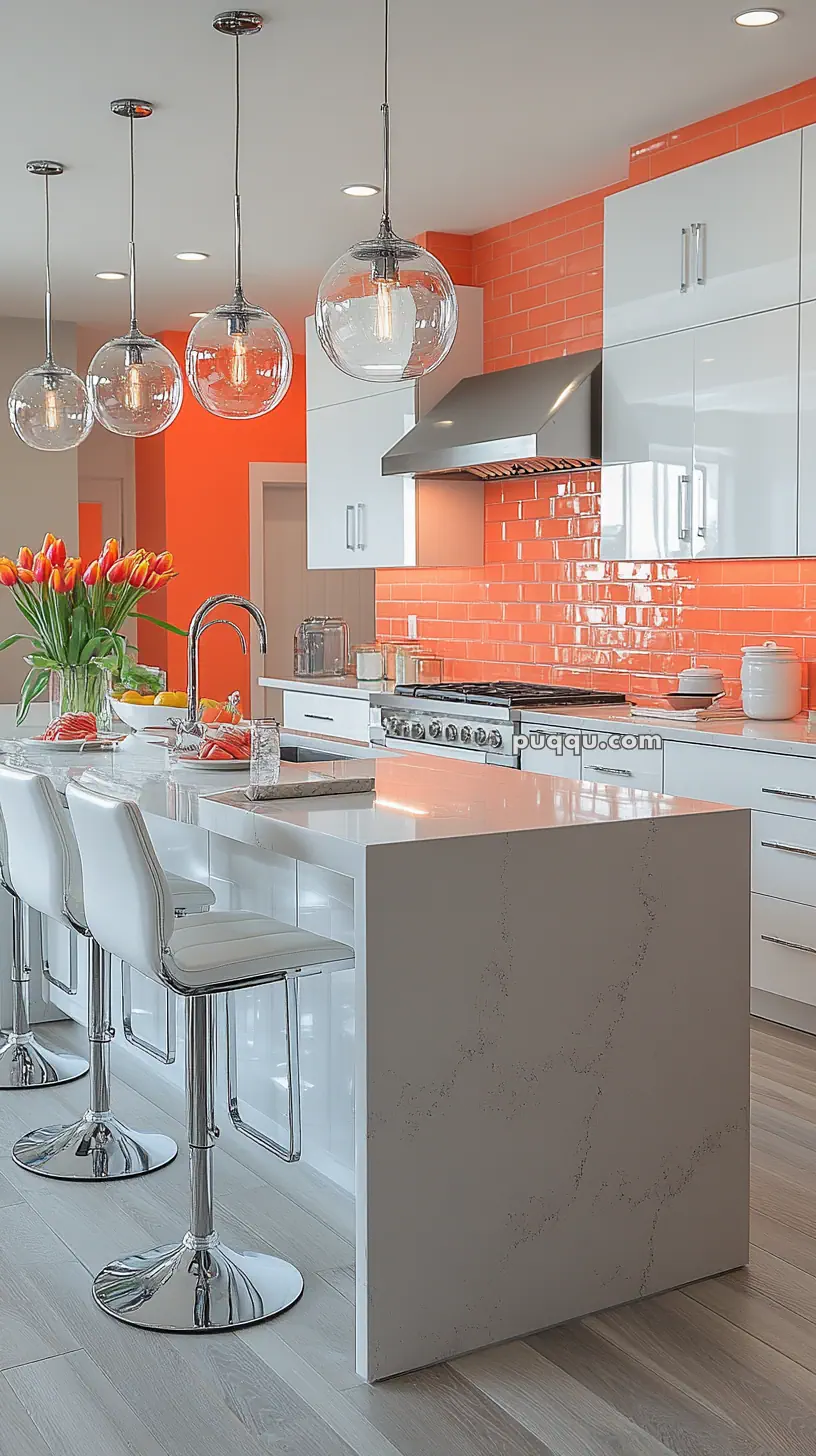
point(547, 1025)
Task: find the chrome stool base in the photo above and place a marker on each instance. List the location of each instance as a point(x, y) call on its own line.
point(26, 1062)
point(95, 1149)
point(196, 1286)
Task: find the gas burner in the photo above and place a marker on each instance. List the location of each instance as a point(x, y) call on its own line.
point(509, 694)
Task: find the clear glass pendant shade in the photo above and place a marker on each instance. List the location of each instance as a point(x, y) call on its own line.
point(49, 408)
point(238, 361)
point(386, 310)
point(135, 385)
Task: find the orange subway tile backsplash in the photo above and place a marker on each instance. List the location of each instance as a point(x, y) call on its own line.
point(544, 607)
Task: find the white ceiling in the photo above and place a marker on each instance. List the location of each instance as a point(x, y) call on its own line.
point(499, 108)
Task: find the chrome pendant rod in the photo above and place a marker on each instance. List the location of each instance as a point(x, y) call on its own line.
point(239, 281)
point(49, 356)
point(132, 244)
point(386, 115)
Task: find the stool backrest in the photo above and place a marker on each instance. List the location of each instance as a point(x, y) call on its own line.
point(43, 860)
point(128, 904)
point(5, 878)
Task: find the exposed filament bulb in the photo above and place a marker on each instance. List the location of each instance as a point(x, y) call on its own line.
point(53, 410)
point(134, 388)
point(239, 363)
point(384, 324)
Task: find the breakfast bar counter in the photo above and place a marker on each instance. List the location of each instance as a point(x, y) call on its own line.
point(546, 1074)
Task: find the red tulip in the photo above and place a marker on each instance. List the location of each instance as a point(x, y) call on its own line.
point(9, 574)
point(25, 557)
point(110, 553)
point(139, 574)
point(152, 581)
point(163, 578)
point(57, 582)
point(56, 552)
point(25, 574)
point(42, 568)
point(164, 562)
point(48, 540)
point(71, 572)
point(118, 571)
point(91, 574)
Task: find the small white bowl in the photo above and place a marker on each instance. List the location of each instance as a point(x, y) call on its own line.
point(147, 715)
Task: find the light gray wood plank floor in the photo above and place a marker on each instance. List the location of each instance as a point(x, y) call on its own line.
point(726, 1367)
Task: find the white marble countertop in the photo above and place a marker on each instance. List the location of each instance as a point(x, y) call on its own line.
point(338, 687)
point(794, 736)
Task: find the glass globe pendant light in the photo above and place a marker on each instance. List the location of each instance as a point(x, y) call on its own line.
point(134, 382)
point(387, 309)
point(48, 407)
point(238, 359)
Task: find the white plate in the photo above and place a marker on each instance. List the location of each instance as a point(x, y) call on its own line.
point(72, 745)
point(212, 765)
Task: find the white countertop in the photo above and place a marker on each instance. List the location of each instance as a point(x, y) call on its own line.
point(794, 736)
point(416, 798)
point(338, 687)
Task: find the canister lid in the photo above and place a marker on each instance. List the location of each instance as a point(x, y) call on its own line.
point(769, 649)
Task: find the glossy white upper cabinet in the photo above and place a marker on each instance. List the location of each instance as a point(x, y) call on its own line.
point(746, 394)
point(701, 442)
point(355, 515)
point(648, 441)
point(809, 213)
point(706, 243)
point(807, 432)
point(358, 517)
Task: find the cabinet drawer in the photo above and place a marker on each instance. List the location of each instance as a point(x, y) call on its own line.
point(783, 948)
point(632, 768)
point(778, 783)
point(555, 756)
point(784, 857)
point(324, 713)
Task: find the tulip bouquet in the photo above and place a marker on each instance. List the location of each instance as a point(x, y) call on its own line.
point(77, 612)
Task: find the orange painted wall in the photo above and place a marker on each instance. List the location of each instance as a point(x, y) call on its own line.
point(90, 529)
point(195, 476)
point(544, 606)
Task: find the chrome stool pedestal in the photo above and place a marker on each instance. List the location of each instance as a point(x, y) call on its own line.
point(199, 1284)
point(25, 1061)
point(98, 1147)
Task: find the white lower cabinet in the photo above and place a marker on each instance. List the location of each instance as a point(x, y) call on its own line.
point(783, 857)
point(631, 768)
point(553, 753)
point(783, 949)
point(327, 713)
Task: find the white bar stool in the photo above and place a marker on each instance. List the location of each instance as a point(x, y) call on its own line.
point(45, 870)
point(25, 1061)
point(199, 1284)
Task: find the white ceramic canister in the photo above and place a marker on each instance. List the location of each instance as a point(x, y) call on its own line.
point(771, 680)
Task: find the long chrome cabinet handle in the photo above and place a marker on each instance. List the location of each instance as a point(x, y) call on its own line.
point(319, 717)
point(791, 794)
point(684, 260)
point(623, 773)
point(684, 508)
point(699, 230)
point(362, 537)
point(788, 944)
point(788, 848)
point(351, 538)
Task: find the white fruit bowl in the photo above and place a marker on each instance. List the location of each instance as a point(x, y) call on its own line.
point(146, 715)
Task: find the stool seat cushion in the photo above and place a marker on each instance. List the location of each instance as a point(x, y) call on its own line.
point(234, 947)
point(189, 894)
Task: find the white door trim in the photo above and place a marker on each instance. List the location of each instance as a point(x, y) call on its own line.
point(278, 473)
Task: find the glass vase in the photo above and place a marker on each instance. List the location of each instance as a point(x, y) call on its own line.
point(84, 689)
point(265, 760)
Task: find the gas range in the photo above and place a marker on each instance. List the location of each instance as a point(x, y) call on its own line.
point(464, 720)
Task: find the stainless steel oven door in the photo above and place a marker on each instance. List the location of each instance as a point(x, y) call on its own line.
point(469, 755)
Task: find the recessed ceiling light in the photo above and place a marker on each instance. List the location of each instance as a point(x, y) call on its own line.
point(758, 17)
point(198, 315)
point(361, 189)
point(192, 257)
point(111, 277)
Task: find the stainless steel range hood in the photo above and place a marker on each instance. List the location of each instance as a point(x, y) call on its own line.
point(533, 420)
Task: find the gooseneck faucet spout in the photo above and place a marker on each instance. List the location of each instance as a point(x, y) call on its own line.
point(198, 626)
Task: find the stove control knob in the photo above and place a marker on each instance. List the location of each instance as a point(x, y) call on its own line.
point(465, 733)
point(399, 727)
point(435, 728)
point(494, 738)
point(480, 737)
point(417, 730)
point(390, 725)
point(451, 732)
